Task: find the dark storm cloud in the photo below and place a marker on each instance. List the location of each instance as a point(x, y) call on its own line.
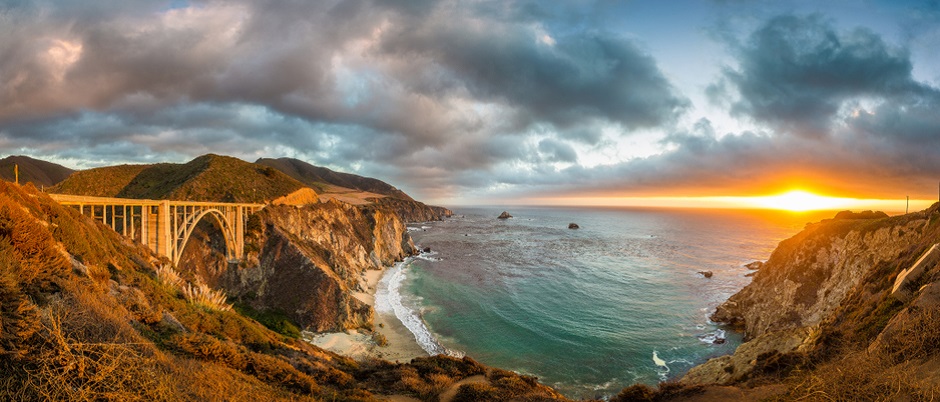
point(562, 79)
point(352, 83)
point(796, 72)
point(840, 111)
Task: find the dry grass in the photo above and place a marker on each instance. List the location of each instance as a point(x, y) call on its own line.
point(169, 277)
point(198, 294)
point(202, 295)
point(863, 376)
point(889, 372)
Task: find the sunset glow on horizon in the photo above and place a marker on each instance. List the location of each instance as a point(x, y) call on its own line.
point(795, 201)
point(710, 104)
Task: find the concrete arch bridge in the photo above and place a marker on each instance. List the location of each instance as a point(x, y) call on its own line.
point(164, 225)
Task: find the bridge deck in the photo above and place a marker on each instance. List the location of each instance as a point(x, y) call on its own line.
point(68, 199)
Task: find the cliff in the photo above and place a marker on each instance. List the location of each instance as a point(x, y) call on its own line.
point(306, 262)
point(412, 211)
point(822, 316)
point(808, 275)
point(86, 314)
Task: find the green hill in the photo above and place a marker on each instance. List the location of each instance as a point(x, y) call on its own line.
point(316, 176)
point(206, 178)
point(38, 172)
point(100, 182)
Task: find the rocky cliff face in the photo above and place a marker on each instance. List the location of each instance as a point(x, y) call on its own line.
point(305, 262)
point(808, 275)
point(412, 211)
point(832, 271)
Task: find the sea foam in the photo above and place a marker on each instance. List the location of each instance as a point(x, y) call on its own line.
point(388, 299)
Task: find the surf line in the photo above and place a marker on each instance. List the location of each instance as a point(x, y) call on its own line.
point(388, 298)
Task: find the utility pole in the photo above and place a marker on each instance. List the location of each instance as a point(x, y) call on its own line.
point(908, 205)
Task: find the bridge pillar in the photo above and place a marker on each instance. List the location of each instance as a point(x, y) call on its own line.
point(164, 231)
point(239, 232)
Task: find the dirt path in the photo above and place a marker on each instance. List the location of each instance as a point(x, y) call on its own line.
point(449, 393)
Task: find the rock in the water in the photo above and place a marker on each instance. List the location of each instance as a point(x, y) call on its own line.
point(707, 274)
point(573, 225)
point(504, 215)
point(426, 250)
point(754, 265)
point(719, 341)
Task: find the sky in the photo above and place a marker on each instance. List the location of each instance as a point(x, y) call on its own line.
point(487, 102)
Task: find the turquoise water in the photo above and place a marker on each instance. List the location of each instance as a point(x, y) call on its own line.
point(584, 310)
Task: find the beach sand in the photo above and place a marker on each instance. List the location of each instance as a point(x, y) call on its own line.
point(401, 347)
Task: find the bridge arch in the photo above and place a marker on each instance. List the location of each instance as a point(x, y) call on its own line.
point(186, 231)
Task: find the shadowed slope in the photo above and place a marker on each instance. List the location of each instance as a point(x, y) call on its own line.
point(38, 172)
point(316, 176)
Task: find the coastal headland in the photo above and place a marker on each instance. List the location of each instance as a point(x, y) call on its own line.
point(825, 316)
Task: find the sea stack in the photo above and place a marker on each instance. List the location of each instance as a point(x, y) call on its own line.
point(504, 215)
point(573, 225)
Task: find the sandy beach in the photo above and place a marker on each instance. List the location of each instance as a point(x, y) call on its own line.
point(401, 347)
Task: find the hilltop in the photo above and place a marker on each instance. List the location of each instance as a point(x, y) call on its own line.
point(206, 178)
point(38, 172)
point(321, 178)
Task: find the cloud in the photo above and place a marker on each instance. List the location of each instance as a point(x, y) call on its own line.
point(390, 86)
point(835, 111)
point(796, 72)
point(445, 98)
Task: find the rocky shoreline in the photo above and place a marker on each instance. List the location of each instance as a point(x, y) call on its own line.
point(827, 295)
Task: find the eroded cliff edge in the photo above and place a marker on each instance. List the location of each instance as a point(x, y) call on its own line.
point(306, 262)
point(825, 297)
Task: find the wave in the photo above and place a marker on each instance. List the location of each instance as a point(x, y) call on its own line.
point(427, 256)
point(388, 298)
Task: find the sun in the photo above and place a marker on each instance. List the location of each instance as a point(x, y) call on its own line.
point(800, 201)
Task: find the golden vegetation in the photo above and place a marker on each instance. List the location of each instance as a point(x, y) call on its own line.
point(88, 315)
point(206, 178)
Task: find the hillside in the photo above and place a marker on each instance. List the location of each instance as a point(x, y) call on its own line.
point(38, 172)
point(316, 177)
point(89, 315)
point(822, 319)
point(357, 190)
point(206, 178)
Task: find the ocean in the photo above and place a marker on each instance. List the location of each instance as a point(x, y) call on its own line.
point(590, 310)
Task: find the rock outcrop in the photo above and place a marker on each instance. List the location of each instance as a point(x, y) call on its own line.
point(806, 284)
point(306, 262)
point(573, 225)
point(808, 275)
point(412, 211)
point(504, 215)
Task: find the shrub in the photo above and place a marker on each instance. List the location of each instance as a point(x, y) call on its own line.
point(379, 339)
point(635, 393)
